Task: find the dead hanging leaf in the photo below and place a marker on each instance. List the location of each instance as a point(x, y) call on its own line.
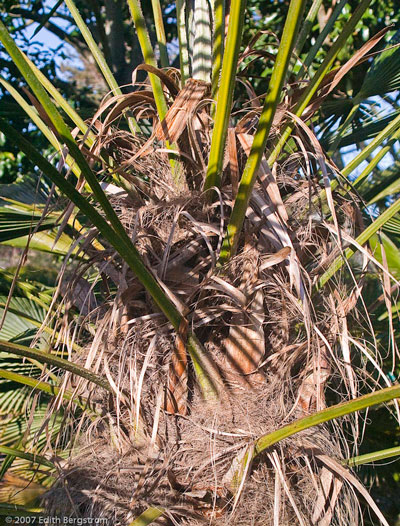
point(327, 497)
point(238, 471)
point(163, 76)
point(279, 471)
point(245, 344)
point(182, 109)
point(341, 314)
point(264, 172)
point(311, 392)
point(334, 77)
point(130, 100)
point(275, 259)
point(233, 161)
point(176, 397)
point(345, 474)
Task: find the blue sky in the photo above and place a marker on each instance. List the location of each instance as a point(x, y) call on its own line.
point(48, 42)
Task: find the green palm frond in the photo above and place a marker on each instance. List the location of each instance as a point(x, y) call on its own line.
point(382, 185)
point(225, 95)
point(12, 400)
point(22, 315)
point(17, 366)
point(392, 252)
point(22, 220)
point(37, 292)
point(393, 226)
point(384, 74)
point(18, 223)
point(16, 425)
point(46, 241)
point(361, 131)
point(27, 192)
point(20, 325)
point(16, 432)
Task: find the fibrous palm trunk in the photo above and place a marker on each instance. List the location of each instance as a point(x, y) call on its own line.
point(273, 349)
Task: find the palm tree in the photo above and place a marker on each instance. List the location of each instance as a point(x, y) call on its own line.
point(213, 330)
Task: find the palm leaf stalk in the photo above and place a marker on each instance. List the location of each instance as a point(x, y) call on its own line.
point(331, 413)
point(218, 47)
point(386, 133)
point(374, 456)
point(160, 31)
point(47, 17)
point(307, 25)
point(183, 41)
point(272, 99)
point(148, 55)
point(148, 516)
point(320, 39)
point(316, 80)
point(344, 127)
point(225, 94)
point(380, 155)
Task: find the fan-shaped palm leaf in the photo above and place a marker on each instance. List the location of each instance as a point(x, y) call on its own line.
point(384, 74)
point(22, 315)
